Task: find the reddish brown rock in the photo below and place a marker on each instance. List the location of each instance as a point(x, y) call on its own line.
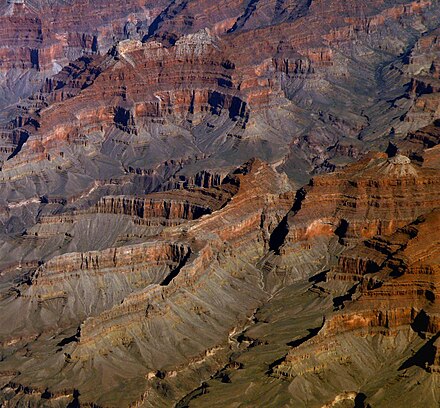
point(374, 196)
point(125, 242)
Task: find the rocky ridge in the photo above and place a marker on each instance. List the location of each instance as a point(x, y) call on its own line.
point(150, 267)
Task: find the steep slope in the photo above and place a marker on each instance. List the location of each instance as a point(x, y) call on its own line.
point(270, 101)
point(362, 328)
point(160, 304)
point(143, 264)
point(395, 308)
point(39, 37)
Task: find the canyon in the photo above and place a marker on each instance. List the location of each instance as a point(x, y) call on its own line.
point(219, 204)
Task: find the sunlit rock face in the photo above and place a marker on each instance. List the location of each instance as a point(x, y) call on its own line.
point(213, 204)
point(38, 38)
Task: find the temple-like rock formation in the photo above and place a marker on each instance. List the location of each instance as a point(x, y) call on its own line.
point(374, 196)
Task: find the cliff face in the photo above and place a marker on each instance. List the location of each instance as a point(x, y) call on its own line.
point(198, 279)
point(396, 296)
point(374, 196)
point(194, 276)
point(210, 202)
point(367, 237)
point(222, 89)
point(38, 38)
point(102, 277)
point(172, 206)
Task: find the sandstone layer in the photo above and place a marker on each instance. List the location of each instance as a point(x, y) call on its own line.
point(219, 203)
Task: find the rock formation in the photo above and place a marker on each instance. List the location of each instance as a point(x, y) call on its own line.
point(219, 203)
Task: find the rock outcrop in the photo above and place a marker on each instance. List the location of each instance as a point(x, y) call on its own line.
point(198, 279)
point(396, 296)
point(205, 204)
point(38, 38)
point(374, 196)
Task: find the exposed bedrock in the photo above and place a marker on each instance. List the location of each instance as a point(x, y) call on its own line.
point(395, 305)
point(174, 206)
point(69, 287)
point(115, 302)
point(374, 196)
point(143, 264)
point(200, 90)
point(146, 209)
point(38, 38)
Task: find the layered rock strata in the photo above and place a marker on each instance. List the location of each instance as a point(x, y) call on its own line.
point(190, 280)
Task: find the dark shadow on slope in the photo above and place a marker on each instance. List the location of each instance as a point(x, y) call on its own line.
point(176, 271)
point(241, 21)
point(184, 402)
point(341, 231)
point(75, 402)
point(312, 333)
point(274, 364)
point(420, 323)
point(175, 8)
point(295, 343)
point(71, 339)
point(338, 302)
point(359, 401)
point(24, 136)
point(424, 357)
point(279, 234)
point(319, 277)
